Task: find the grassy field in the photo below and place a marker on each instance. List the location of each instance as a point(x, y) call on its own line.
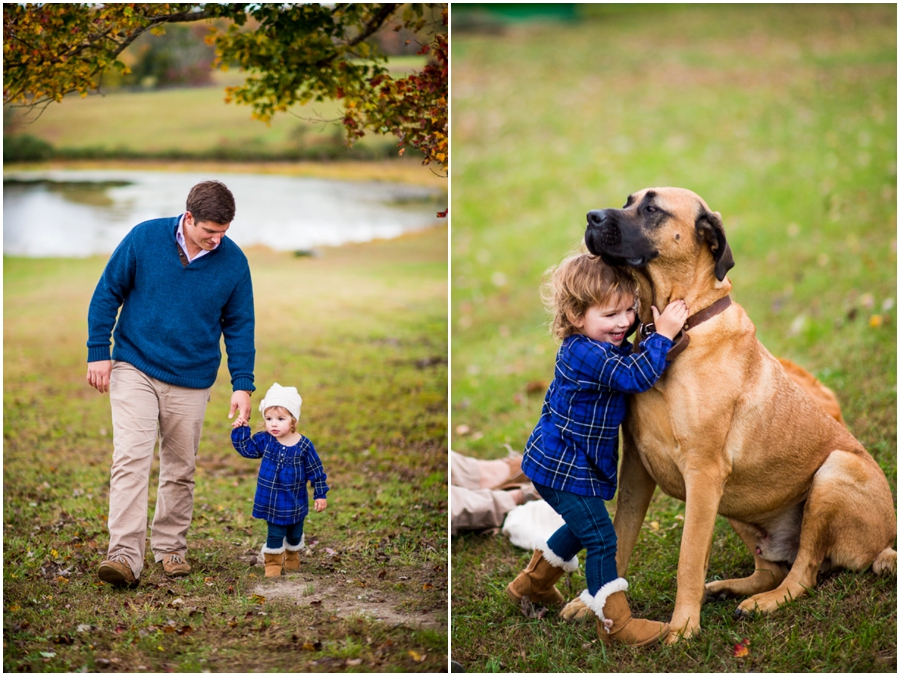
point(784, 119)
point(362, 333)
point(192, 121)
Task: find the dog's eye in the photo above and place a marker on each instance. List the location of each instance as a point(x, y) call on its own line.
point(651, 209)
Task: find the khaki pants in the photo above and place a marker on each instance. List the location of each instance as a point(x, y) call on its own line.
point(144, 408)
point(473, 507)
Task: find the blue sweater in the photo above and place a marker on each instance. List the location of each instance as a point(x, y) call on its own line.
point(173, 316)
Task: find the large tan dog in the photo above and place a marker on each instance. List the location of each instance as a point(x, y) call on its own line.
point(728, 431)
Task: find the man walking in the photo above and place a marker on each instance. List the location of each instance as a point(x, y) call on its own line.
point(181, 285)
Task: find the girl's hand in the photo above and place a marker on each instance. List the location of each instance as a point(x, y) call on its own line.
point(672, 319)
point(321, 504)
point(240, 422)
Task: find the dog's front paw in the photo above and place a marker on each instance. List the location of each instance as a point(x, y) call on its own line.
point(576, 610)
point(717, 591)
point(688, 629)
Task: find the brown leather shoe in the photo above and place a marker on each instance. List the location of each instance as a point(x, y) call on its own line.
point(516, 476)
point(174, 565)
point(116, 571)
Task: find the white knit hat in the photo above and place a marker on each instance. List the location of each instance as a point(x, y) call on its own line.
point(286, 397)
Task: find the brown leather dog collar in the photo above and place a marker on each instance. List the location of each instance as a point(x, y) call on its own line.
point(682, 339)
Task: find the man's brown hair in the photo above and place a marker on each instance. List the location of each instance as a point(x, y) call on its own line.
point(578, 283)
point(211, 201)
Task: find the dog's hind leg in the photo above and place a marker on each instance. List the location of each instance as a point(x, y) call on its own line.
point(766, 576)
point(848, 518)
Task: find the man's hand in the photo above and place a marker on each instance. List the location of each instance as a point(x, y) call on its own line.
point(320, 504)
point(98, 375)
point(240, 402)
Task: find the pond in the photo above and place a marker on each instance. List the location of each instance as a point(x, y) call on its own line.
point(81, 213)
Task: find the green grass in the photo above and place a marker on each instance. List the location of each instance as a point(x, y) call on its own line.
point(352, 331)
point(195, 122)
point(784, 119)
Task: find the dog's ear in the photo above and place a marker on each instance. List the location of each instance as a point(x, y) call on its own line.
point(710, 229)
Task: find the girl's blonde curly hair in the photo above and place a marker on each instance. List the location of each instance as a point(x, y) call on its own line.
point(579, 282)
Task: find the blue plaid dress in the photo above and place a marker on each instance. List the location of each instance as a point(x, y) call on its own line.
point(575, 445)
point(281, 496)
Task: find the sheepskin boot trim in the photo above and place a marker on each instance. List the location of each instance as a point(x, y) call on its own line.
point(569, 566)
point(614, 620)
point(598, 601)
point(537, 582)
point(274, 560)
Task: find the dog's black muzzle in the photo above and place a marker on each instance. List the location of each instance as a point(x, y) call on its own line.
point(603, 238)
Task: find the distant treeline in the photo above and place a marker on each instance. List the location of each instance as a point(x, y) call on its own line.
point(29, 148)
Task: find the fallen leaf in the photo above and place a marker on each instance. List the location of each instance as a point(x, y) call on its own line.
point(876, 321)
point(654, 525)
point(311, 646)
point(536, 387)
point(382, 573)
point(48, 655)
point(427, 586)
point(258, 600)
point(741, 650)
point(315, 603)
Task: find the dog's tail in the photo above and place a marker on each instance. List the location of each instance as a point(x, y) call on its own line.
point(885, 563)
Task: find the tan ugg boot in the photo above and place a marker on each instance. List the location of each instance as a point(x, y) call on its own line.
point(538, 579)
point(614, 620)
point(292, 556)
point(274, 560)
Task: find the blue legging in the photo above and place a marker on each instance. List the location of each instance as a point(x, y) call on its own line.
point(587, 526)
point(278, 534)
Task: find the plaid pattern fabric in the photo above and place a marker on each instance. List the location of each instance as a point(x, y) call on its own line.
point(281, 496)
point(575, 445)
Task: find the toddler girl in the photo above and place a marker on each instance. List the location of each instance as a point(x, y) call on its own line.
point(572, 455)
point(289, 460)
